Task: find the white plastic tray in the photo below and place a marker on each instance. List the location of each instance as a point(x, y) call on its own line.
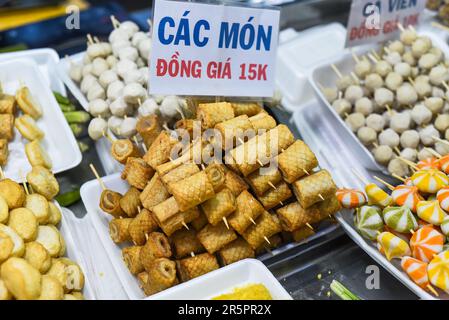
point(59, 141)
point(323, 75)
point(224, 280)
point(63, 69)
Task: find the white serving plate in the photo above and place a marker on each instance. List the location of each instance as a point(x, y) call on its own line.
point(225, 280)
point(47, 60)
point(323, 75)
point(319, 132)
point(59, 141)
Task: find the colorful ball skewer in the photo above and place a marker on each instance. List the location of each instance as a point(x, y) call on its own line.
point(443, 198)
point(430, 163)
point(368, 221)
point(438, 271)
point(393, 246)
point(351, 198)
point(376, 196)
point(445, 226)
point(417, 271)
point(430, 181)
point(426, 242)
point(407, 196)
point(400, 219)
point(430, 211)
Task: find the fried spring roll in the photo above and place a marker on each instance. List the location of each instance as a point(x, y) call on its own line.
point(154, 193)
point(7, 126)
point(219, 206)
point(27, 103)
point(4, 153)
point(118, 229)
point(235, 251)
point(159, 151)
point(193, 190)
point(200, 222)
point(192, 154)
point(123, 149)
point(314, 188)
point(141, 226)
point(302, 234)
point(137, 172)
point(293, 216)
point(296, 161)
point(28, 128)
point(234, 183)
point(179, 221)
point(161, 276)
point(233, 131)
point(183, 171)
point(266, 226)
point(131, 257)
point(210, 114)
point(185, 242)
point(110, 203)
point(130, 202)
point(213, 238)
point(276, 196)
point(36, 155)
point(149, 128)
point(193, 267)
point(157, 246)
point(262, 180)
point(216, 175)
point(328, 207)
point(275, 241)
point(165, 210)
point(142, 278)
point(230, 162)
point(247, 108)
point(187, 127)
point(247, 210)
point(262, 121)
point(7, 104)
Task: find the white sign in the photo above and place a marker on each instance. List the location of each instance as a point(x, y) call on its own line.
point(213, 50)
point(377, 20)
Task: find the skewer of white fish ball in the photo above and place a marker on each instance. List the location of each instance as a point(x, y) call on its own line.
point(389, 138)
point(410, 139)
point(97, 128)
point(367, 135)
point(355, 121)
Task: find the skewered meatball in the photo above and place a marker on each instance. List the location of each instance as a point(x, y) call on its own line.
point(376, 122)
point(410, 139)
point(406, 94)
point(128, 53)
point(120, 108)
point(428, 61)
point(408, 37)
point(421, 114)
point(403, 69)
point(383, 154)
point(134, 92)
point(120, 45)
point(434, 104)
point(99, 107)
point(409, 58)
point(145, 48)
point(400, 122)
point(123, 66)
point(331, 94)
point(423, 88)
point(383, 97)
point(426, 135)
point(362, 68)
point(99, 65)
point(389, 138)
point(112, 61)
point(170, 106)
point(87, 82)
point(115, 90)
point(438, 74)
point(442, 122)
point(419, 48)
point(128, 127)
point(114, 124)
point(76, 72)
point(393, 58)
point(107, 77)
point(342, 106)
point(367, 136)
point(355, 121)
point(97, 128)
point(438, 92)
point(87, 69)
point(353, 93)
point(398, 167)
point(364, 106)
point(442, 148)
point(344, 82)
point(383, 68)
point(409, 154)
point(393, 81)
point(96, 91)
point(149, 107)
point(397, 46)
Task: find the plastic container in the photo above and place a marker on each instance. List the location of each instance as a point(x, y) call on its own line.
point(59, 141)
point(225, 280)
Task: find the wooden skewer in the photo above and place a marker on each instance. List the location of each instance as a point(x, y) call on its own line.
point(432, 290)
point(396, 149)
point(144, 147)
point(373, 59)
point(360, 177)
point(138, 209)
point(390, 112)
point(394, 175)
point(89, 39)
point(181, 113)
point(389, 186)
point(354, 56)
point(321, 197)
point(436, 154)
point(146, 236)
point(192, 254)
point(260, 163)
point(97, 40)
point(411, 27)
point(444, 83)
point(387, 50)
point(103, 186)
point(266, 239)
point(281, 203)
point(441, 140)
point(375, 54)
point(411, 80)
point(306, 172)
point(401, 27)
point(337, 72)
point(2, 174)
point(226, 222)
point(310, 226)
point(240, 140)
point(135, 140)
point(272, 185)
point(115, 22)
point(354, 76)
point(203, 167)
point(440, 26)
point(409, 163)
point(107, 136)
point(252, 221)
point(185, 225)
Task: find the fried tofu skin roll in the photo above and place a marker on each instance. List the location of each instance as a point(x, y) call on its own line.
point(23, 221)
point(293, 216)
point(149, 128)
point(154, 193)
point(7, 104)
point(200, 222)
point(183, 171)
point(36, 155)
point(21, 279)
point(275, 196)
point(266, 226)
point(193, 267)
point(165, 210)
point(192, 191)
point(12, 193)
point(233, 131)
point(302, 234)
point(248, 209)
point(160, 150)
point(191, 153)
point(110, 203)
point(130, 202)
point(6, 126)
point(220, 206)
point(235, 251)
point(235, 183)
point(247, 108)
point(43, 182)
point(157, 246)
point(211, 114)
point(28, 128)
point(186, 127)
point(275, 242)
point(216, 175)
point(142, 278)
point(296, 161)
point(123, 149)
point(213, 238)
point(141, 226)
point(262, 180)
point(131, 257)
point(161, 276)
point(179, 221)
point(4, 152)
point(314, 188)
point(262, 121)
point(27, 103)
point(137, 172)
point(328, 207)
point(118, 230)
point(186, 243)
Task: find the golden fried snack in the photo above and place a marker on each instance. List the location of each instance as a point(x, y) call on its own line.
point(327, 207)
point(230, 162)
point(4, 210)
point(159, 151)
point(131, 256)
point(137, 172)
point(19, 247)
point(54, 216)
point(39, 206)
point(185, 243)
point(21, 279)
point(23, 221)
point(210, 114)
point(216, 175)
point(266, 226)
point(28, 128)
point(130, 202)
point(233, 131)
point(4, 293)
point(314, 188)
point(142, 225)
point(7, 126)
point(154, 193)
point(36, 155)
point(193, 267)
point(51, 239)
point(234, 182)
point(296, 161)
point(161, 276)
point(248, 209)
point(248, 108)
point(275, 241)
point(262, 180)
point(110, 203)
point(183, 171)
point(149, 128)
point(51, 289)
point(293, 216)
point(187, 127)
point(182, 154)
point(213, 238)
point(219, 206)
point(68, 273)
point(200, 222)
point(302, 234)
point(27, 103)
point(7, 104)
point(37, 256)
point(276, 196)
point(165, 210)
point(6, 246)
point(4, 152)
point(192, 191)
point(262, 121)
point(157, 246)
point(118, 230)
point(43, 182)
point(235, 251)
point(179, 220)
point(123, 149)
point(142, 278)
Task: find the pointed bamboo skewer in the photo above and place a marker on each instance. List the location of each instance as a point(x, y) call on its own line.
point(389, 186)
point(2, 174)
point(337, 72)
point(97, 176)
